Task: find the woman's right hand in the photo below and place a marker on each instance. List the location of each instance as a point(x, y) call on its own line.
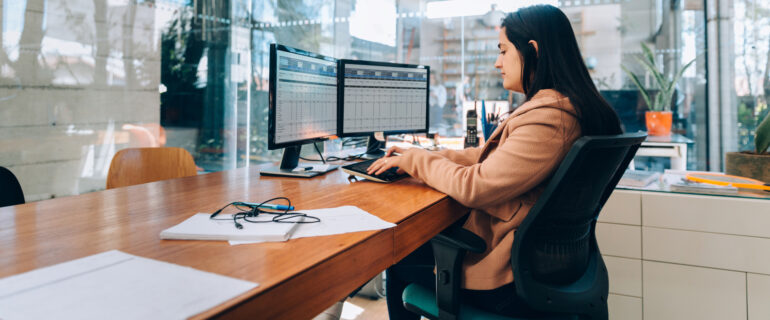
point(393, 150)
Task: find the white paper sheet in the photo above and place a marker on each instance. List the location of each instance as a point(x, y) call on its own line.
point(312, 168)
point(335, 221)
point(115, 285)
point(201, 227)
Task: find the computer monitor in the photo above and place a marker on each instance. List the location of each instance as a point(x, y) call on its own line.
point(630, 106)
point(391, 98)
point(302, 104)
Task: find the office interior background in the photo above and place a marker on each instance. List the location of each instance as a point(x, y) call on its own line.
point(82, 79)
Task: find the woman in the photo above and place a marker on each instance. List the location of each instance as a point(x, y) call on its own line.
point(501, 180)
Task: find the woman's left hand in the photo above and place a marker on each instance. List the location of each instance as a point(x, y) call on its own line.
point(385, 163)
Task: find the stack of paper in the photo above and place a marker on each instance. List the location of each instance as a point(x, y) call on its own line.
point(115, 285)
point(637, 178)
point(335, 221)
point(201, 227)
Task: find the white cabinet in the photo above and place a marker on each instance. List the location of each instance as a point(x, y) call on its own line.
point(681, 256)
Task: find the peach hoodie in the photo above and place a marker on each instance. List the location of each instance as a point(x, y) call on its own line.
point(501, 180)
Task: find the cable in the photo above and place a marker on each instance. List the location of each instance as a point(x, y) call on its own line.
point(255, 210)
point(348, 158)
point(355, 142)
point(319, 152)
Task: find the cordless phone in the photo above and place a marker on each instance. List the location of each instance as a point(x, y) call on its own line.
point(471, 135)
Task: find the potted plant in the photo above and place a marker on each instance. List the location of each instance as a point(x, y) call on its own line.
point(658, 118)
point(755, 165)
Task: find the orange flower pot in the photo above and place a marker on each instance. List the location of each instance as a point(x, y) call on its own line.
point(658, 122)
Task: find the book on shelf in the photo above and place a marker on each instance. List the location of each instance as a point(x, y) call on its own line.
point(678, 182)
point(685, 185)
point(637, 178)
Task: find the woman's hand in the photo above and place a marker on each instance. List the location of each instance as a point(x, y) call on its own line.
point(397, 150)
point(387, 162)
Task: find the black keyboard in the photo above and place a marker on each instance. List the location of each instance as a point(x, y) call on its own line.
point(359, 169)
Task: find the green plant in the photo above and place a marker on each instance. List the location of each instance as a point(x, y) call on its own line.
point(665, 84)
point(762, 136)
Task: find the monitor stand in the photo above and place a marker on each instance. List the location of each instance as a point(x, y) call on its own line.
point(290, 161)
point(374, 148)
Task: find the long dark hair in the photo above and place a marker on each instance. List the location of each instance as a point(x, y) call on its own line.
point(558, 65)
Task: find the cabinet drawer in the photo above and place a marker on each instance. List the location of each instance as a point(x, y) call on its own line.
point(682, 292)
point(726, 215)
point(758, 289)
point(624, 307)
point(625, 275)
point(624, 207)
point(713, 250)
point(619, 240)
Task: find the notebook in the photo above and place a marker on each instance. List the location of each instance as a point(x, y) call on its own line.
point(201, 227)
point(115, 285)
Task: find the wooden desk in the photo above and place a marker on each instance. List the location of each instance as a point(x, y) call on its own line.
point(297, 279)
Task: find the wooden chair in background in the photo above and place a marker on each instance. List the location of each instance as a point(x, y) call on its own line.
point(141, 165)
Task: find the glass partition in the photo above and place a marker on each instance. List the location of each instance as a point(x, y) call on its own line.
point(82, 79)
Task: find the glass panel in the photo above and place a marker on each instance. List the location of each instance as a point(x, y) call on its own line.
point(751, 26)
point(611, 38)
point(78, 81)
point(83, 79)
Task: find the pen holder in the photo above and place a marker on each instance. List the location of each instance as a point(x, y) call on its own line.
point(488, 129)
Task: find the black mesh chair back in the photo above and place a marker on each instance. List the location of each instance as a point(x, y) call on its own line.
point(556, 262)
point(10, 189)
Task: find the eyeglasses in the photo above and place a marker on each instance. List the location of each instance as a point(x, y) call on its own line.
point(249, 212)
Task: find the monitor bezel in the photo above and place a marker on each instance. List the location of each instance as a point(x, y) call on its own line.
point(341, 94)
point(272, 84)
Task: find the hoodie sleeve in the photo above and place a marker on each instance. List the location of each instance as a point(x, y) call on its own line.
point(535, 146)
point(464, 157)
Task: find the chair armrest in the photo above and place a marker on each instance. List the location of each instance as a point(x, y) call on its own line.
point(449, 248)
point(460, 238)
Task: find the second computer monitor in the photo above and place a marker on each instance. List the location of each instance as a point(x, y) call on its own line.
point(382, 97)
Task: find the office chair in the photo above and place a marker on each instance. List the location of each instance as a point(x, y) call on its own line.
point(11, 194)
point(141, 165)
point(557, 266)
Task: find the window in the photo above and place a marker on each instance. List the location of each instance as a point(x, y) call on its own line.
point(80, 80)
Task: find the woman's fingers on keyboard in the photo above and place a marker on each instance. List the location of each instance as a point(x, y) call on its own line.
point(393, 150)
point(373, 167)
point(384, 164)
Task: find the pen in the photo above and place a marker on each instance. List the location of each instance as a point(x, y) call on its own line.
point(270, 206)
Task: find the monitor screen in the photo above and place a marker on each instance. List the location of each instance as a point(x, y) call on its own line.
point(303, 97)
point(382, 97)
point(630, 107)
